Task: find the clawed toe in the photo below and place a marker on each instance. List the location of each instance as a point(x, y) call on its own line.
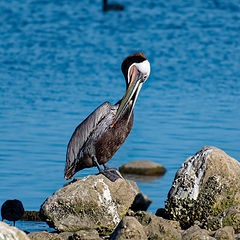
point(111, 174)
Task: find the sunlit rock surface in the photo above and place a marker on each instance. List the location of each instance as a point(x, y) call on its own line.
point(92, 202)
point(204, 186)
point(8, 232)
point(145, 168)
point(144, 225)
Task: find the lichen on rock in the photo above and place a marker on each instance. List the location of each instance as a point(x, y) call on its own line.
point(92, 202)
point(205, 185)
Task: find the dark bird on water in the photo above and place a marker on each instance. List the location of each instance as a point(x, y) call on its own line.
point(102, 133)
point(12, 210)
point(115, 6)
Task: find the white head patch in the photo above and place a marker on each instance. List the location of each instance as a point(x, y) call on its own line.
point(143, 67)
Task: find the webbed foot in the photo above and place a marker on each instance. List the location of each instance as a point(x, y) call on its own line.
point(111, 174)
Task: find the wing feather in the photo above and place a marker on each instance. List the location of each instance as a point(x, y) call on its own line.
point(81, 135)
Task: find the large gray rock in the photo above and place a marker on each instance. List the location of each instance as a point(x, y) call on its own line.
point(92, 202)
point(157, 227)
point(8, 232)
point(86, 235)
point(225, 233)
point(79, 235)
point(206, 184)
point(196, 233)
point(44, 235)
point(145, 225)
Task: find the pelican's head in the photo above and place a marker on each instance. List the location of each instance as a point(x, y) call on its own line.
point(136, 70)
point(135, 65)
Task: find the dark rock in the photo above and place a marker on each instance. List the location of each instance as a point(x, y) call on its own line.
point(92, 202)
point(207, 184)
point(141, 203)
point(8, 232)
point(129, 228)
point(225, 233)
point(31, 216)
point(161, 212)
point(142, 168)
point(196, 233)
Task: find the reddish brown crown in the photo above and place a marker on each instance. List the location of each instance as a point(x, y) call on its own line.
point(128, 61)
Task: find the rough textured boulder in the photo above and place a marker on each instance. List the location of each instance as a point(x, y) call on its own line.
point(225, 233)
point(11, 233)
point(86, 235)
point(79, 235)
point(228, 217)
point(142, 168)
point(92, 202)
point(129, 228)
point(196, 233)
point(207, 184)
point(44, 235)
point(145, 225)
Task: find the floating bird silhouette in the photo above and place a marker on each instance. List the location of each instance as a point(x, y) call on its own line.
point(102, 133)
point(12, 210)
point(115, 6)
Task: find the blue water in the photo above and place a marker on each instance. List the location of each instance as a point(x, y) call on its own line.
point(61, 59)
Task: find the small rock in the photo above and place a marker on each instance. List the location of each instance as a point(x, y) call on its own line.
point(65, 235)
point(161, 212)
point(207, 184)
point(31, 216)
point(86, 235)
point(225, 233)
point(196, 233)
point(129, 228)
point(8, 232)
point(142, 168)
point(92, 202)
point(141, 203)
point(175, 224)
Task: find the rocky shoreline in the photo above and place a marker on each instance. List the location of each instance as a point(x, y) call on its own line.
point(203, 203)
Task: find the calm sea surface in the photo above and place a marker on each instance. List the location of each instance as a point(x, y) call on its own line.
point(61, 59)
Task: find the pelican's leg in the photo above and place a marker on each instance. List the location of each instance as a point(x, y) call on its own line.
point(109, 173)
point(97, 164)
point(107, 168)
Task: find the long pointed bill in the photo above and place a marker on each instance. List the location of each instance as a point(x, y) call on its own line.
point(133, 88)
point(135, 98)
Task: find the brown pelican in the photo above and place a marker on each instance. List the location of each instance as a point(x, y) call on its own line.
point(12, 210)
point(107, 6)
point(102, 133)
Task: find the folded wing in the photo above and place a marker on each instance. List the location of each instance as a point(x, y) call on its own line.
point(81, 135)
